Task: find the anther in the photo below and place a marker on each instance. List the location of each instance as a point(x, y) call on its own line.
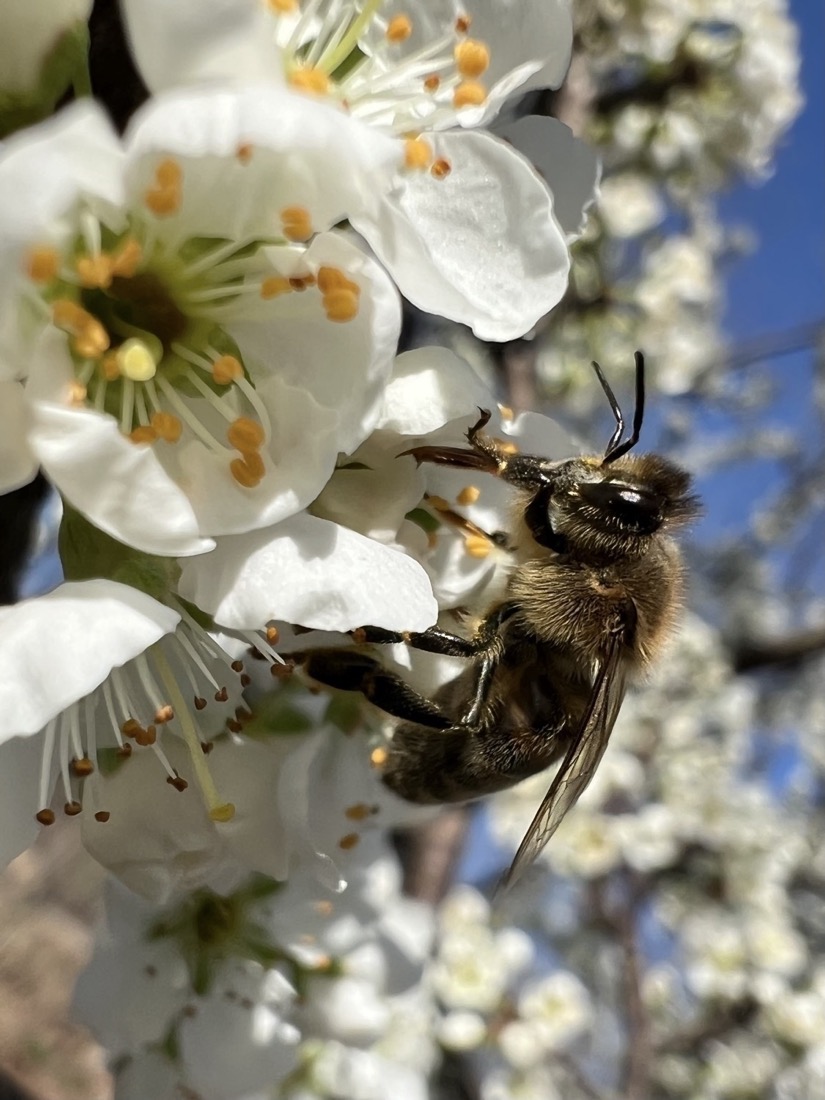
point(126, 260)
point(131, 727)
point(468, 495)
point(207, 747)
point(146, 736)
point(168, 426)
point(42, 264)
point(470, 93)
point(102, 816)
point(282, 7)
point(168, 173)
point(274, 286)
point(226, 369)
point(45, 817)
point(222, 695)
point(245, 434)
point(124, 750)
point(340, 305)
point(432, 82)
point(246, 679)
point(472, 58)
point(441, 168)
point(164, 714)
point(462, 24)
point(177, 781)
point(82, 767)
point(72, 808)
point(237, 666)
point(359, 812)
point(243, 474)
point(477, 546)
point(94, 272)
point(349, 841)
point(273, 635)
point(199, 702)
point(399, 28)
point(143, 433)
point(418, 154)
point(109, 368)
point(233, 725)
point(244, 152)
point(313, 81)
point(378, 757)
point(296, 222)
point(302, 282)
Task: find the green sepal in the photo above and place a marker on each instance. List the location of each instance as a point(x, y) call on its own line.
point(66, 65)
point(423, 519)
point(86, 552)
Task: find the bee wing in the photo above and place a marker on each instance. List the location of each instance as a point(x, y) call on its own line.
point(580, 761)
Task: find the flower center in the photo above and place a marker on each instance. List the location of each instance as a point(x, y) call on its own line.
point(358, 55)
point(145, 314)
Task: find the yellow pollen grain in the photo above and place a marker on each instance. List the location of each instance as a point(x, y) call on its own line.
point(472, 58)
point(226, 369)
point(245, 434)
point(378, 757)
point(75, 394)
point(418, 154)
point(244, 152)
point(341, 305)
point(168, 426)
point(224, 812)
point(462, 24)
point(243, 474)
point(126, 260)
point(296, 222)
point(92, 341)
point(477, 546)
point(470, 93)
point(94, 271)
point(399, 28)
point(468, 495)
point(312, 81)
point(359, 812)
point(42, 263)
point(346, 843)
point(163, 200)
point(441, 168)
point(275, 285)
point(136, 361)
point(109, 368)
point(432, 82)
point(143, 433)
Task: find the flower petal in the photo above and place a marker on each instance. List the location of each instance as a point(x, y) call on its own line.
point(185, 41)
point(20, 757)
point(480, 246)
point(54, 649)
point(571, 168)
point(17, 463)
point(311, 572)
point(429, 387)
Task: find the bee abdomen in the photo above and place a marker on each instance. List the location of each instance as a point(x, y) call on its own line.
point(431, 766)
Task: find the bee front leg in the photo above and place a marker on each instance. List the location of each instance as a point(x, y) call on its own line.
point(350, 671)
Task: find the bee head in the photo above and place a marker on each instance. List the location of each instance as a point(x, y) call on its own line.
point(610, 507)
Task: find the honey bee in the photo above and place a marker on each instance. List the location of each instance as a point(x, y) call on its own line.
point(595, 589)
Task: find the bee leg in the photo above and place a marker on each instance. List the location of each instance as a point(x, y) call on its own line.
point(350, 671)
point(435, 640)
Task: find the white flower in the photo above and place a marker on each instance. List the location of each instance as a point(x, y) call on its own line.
point(630, 204)
point(17, 463)
point(197, 347)
point(468, 230)
point(461, 1031)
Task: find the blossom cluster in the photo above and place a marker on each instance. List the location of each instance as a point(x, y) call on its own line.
point(199, 347)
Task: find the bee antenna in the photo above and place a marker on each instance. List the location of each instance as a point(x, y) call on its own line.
point(614, 408)
point(615, 449)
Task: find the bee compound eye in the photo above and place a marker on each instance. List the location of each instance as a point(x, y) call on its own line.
point(634, 508)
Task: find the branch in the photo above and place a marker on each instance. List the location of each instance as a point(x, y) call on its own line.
point(779, 652)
